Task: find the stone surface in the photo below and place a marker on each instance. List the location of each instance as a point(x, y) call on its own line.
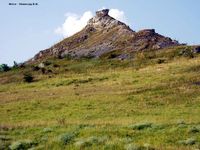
point(102, 13)
point(196, 49)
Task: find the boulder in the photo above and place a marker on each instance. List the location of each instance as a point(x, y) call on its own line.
point(41, 65)
point(196, 49)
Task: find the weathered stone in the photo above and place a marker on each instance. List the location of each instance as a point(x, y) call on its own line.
point(41, 65)
point(196, 49)
point(102, 13)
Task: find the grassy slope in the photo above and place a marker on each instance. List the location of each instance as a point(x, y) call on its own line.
point(100, 101)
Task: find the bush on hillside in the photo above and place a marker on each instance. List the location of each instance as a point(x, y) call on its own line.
point(93, 140)
point(189, 141)
point(4, 68)
point(15, 64)
point(35, 68)
point(67, 137)
point(141, 126)
point(138, 147)
point(28, 77)
point(186, 53)
point(22, 145)
point(47, 63)
point(160, 61)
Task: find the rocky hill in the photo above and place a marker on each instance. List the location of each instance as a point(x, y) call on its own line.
point(105, 35)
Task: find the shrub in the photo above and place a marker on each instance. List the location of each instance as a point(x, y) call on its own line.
point(66, 56)
point(4, 68)
point(133, 147)
point(138, 147)
point(47, 130)
point(15, 64)
point(67, 138)
point(111, 146)
point(4, 138)
point(112, 56)
point(186, 53)
point(44, 139)
point(35, 68)
point(160, 61)
point(90, 141)
point(194, 130)
point(22, 145)
point(82, 126)
point(47, 63)
point(55, 65)
point(190, 141)
point(181, 122)
point(49, 71)
point(28, 77)
point(93, 140)
point(4, 145)
point(82, 143)
point(141, 126)
point(127, 139)
point(43, 70)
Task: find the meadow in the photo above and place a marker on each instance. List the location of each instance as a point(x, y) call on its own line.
point(150, 101)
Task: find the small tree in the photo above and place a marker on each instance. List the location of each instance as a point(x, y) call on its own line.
point(15, 64)
point(4, 67)
point(28, 77)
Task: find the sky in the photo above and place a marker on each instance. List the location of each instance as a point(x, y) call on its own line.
point(25, 30)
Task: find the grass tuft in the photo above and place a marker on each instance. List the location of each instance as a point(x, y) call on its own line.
point(22, 145)
point(141, 126)
point(190, 141)
point(47, 130)
point(138, 147)
point(67, 138)
point(194, 129)
point(93, 140)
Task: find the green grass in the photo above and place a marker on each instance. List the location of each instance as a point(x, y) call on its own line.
point(105, 104)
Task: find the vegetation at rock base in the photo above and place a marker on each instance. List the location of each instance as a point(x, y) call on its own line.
point(139, 103)
point(4, 68)
point(28, 77)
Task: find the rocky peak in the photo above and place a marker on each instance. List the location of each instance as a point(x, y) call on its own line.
point(102, 35)
point(103, 21)
point(102, 13)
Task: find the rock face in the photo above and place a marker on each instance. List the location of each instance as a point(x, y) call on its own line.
point(103, 35)
point(102, 13)
point(196, 49)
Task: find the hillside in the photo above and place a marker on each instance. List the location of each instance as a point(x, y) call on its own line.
point(149, 102)
point(104, 35)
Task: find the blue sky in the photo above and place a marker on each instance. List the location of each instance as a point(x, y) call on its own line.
point(25, 30)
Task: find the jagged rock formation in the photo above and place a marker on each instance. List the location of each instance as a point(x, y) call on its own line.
point(104, 34)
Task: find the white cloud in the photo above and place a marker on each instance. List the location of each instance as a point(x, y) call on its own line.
point(118, 14)
point(75, 23)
